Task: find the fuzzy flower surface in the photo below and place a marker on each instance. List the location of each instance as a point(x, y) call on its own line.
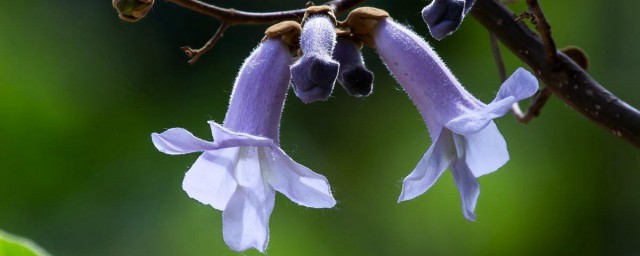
point(355, 78)
point(465, 138)
point(239, 172)
point(314, 74)
point(443, 17)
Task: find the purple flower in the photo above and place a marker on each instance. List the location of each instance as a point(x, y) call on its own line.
point(443, 17)
point(314, 74)
point(356, 79)
point(464, 136)
point(239, 172)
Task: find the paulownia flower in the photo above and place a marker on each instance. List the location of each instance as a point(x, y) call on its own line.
point(464, 136)
point(443, 17)
point(239, 172)
point(356, 79)
point(314, 74)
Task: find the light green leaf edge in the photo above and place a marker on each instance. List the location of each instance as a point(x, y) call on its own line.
point(11, 245)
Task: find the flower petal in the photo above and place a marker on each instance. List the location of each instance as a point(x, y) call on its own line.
point(177, 141)
point(210, 180)
point(520, 85)
point(434, 162)
point(296, 181)
point(486, 150)
point(245, 220)
point(467, 186)
point(225, 138)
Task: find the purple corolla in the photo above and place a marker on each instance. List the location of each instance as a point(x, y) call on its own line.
point(443, 17)
point(462, 130)
point(239, 172)
point(356, 79)
point(314, 74)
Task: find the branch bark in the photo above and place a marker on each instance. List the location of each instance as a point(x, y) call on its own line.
point(563, 77)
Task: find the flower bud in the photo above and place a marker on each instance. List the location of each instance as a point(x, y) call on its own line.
point(132, 10)
point(353, 75)
point(314, 74)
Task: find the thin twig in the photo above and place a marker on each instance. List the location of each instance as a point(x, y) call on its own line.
point(195, 55)
point(230, 17)
point(543, 27)
point(566, 79)
point(234, 17)
point(497, 56)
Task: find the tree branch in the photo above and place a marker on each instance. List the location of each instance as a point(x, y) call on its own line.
point(564, 78)
point(234, 17)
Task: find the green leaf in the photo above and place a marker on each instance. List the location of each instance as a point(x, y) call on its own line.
point(11, 245)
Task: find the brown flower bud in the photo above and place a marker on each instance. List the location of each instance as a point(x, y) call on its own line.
point(132, 10)
point(363, 20)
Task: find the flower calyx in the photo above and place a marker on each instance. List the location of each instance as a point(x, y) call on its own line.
point(287, 31)
point(363, 20)
point(319, 10)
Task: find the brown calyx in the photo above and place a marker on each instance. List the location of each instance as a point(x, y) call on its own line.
point(287, 31)
point(362, 21)
point(319, 10)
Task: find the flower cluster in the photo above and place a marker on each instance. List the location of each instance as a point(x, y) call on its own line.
point(239, 172)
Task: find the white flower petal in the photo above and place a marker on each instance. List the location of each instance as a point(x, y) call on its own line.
point(486, 150)
point(434, 162)
point(296, 181)
point(467, 186)
point(225, 138)
point(245, 220)
point(210, 180)
point(177, 141)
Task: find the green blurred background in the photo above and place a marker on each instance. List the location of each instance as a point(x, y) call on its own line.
point(81, 91)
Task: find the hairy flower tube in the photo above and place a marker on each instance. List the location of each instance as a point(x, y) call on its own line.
point(443, 17)
point(462, 130)
point(314, 74)
point(239, 172)
point(356, 79)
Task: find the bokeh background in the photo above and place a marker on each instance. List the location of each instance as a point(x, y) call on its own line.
point(81, 91)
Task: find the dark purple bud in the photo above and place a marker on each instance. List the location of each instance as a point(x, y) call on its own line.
point(314, 74)
point(443, 17)
point(354, 76)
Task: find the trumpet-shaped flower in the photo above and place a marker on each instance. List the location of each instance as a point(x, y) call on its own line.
point(462, 130)
point(443, 17)
point(356, 79)
point(314, 74)
point(239, 172)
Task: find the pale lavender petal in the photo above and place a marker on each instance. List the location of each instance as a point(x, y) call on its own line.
point(225, 138)
point(210, 180)
point(245, 220)
point(520, 85)
point(355, 78)
point(443, 17)
point(485, 151)
point(469, 123)
point(468, 187)
point(296, 181)
point(177, 141)
point(259, 91)
point(431, 166)
point(314, 74)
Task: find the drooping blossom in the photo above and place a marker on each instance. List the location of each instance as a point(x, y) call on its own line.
point(443, 17)
point(462, 130)
point(239, 172)
point(314, 74)
point(356, 79)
